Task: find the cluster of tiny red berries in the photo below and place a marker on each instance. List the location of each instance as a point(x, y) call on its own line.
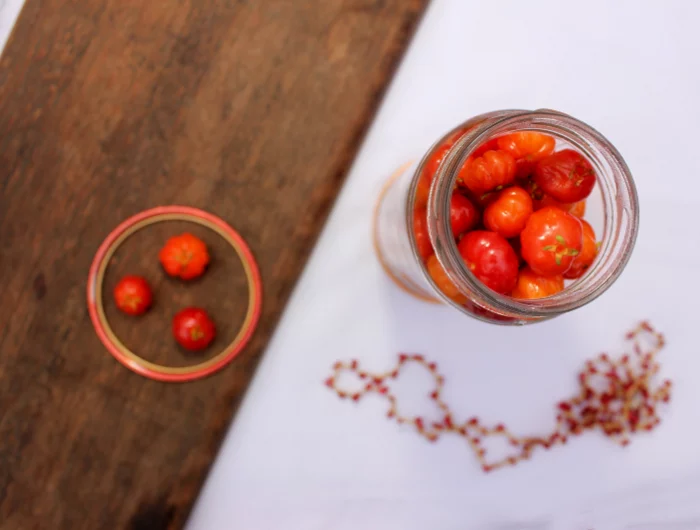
point(617, 397)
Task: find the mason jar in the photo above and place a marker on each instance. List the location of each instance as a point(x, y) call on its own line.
point(612, 209)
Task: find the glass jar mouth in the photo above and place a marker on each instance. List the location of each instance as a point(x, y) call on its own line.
point(620, 205)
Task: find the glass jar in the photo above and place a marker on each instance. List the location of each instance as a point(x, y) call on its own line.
point(613, 209)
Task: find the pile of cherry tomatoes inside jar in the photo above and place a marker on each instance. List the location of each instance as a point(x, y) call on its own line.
point(516, 214)
point(185, 257)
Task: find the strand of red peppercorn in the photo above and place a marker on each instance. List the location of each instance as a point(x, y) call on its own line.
point(615, 396)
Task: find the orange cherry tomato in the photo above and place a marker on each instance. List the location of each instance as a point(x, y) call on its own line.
point(492, 170)
point(528, 145)
point(420, 231)
point(531, 285)
point(491, 258)
point(184, 256)
point(442, 281)
point(551, 240)
point(588, 253)
point(463, 214)
point(577, 208)
point(508, 214)
point(133, 295)
point(565, 176)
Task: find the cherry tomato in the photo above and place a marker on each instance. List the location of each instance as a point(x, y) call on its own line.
point(488, 145)
point(184, 256)
point(490, 171)
point(515, 243)
point(524, 168)
point(420, 231)
point(491, 258)
point(528, 145)
point(480, 200)
point(589, 251)
point(423, 190)
point(566, 176)
point(508, 214)
point(540, 199)
point(442, 281)
point(431, 166)
point(463, 214)
point(552, 238)
point(531, 285)
point(133, 295)
point(193, 329)
point(577, 208)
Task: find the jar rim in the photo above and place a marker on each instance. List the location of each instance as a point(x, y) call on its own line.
point(620, 202)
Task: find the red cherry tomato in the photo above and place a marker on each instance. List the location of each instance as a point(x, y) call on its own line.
point(531, 285)
point(431, 166)
point(508, 214)
point(133, 295)
point(463, 214)
point(491, 258)
point(193, 329)
point(488, 145)
point(524, 168)
point(494, 169)
point(528, 145)
point(540, 199)
point(565, 176)
point(185, 256)
point(420, 231)
point(588, 253)
point(442, 281)
point(552, 238)
point(423, 190)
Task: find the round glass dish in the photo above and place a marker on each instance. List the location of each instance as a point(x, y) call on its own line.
point(613, 210)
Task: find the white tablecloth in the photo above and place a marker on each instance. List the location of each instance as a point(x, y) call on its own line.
point(299, 458)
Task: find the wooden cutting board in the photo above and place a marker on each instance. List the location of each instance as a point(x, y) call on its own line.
point(252, 110)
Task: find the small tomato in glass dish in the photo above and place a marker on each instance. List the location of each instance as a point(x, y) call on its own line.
point(566, 176)
point(463, 214)
point(490, 171)
point(193, 329)
point(509, 212)
point(588, 253)
point(133, 295)
point(420, 232)
point(531, 285)
point(491, 259)
point(551, 240)
point(184, 256)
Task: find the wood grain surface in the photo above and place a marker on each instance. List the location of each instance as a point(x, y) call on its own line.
point(252, 110)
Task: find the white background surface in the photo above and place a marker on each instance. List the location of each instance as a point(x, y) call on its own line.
point(299, 458)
